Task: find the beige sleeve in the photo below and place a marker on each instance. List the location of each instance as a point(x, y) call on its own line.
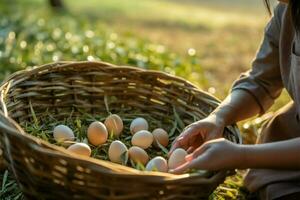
point(264, 81)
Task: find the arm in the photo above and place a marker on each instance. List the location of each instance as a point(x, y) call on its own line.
point(276, 155)
point(231, 110)
point(281, 155)
point(263, 83)
point(253, 93)
point(237, 106)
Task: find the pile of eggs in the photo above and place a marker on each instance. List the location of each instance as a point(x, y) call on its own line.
point(141, 140)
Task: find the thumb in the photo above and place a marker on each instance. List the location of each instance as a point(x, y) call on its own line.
point(200, 150)
point(182, 168)
point(183, 139)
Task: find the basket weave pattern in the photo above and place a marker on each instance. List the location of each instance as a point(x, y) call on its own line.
point(45, 171)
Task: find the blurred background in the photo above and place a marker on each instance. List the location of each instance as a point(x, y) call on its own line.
point(208, 42)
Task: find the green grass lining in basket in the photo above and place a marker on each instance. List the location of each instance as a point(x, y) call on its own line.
point(43, 127)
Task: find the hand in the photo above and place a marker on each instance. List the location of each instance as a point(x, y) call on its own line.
point(199, 132)
point(213, 155)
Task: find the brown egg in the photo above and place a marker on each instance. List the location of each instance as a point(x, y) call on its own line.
point(97, 133)
point(137, 154)
point(157, 164)
point(161, 136)
point(114, 124)
point(138, 124)
point(116, 150)
point(177, 158)
point(63, 133)
point(142, 139)
point(80, 149)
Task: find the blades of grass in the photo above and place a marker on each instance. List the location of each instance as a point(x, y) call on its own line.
point(140, 166)
point(79, 129)
point(4, 179)
point(178, 119)
point(19, 196)
point(36, 122)
point(111, 135)
point(195, 118)
point(173, 138)
point(106, 104)
point(95, 151)
point(132, 163)
point(124, 158)
point(172, 132)
point(179, 129)
point(166, 152)
point(78, 123)
point(52, 118)
point(44, 136)
point(128, 138)
point(86, 115)
point(10, 189)
point(71, 114)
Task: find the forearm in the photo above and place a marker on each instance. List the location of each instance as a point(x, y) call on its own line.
point(276, 155)
point(237, 106)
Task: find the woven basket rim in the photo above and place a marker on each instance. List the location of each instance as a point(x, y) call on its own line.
point(62, 64)
point(121, 170)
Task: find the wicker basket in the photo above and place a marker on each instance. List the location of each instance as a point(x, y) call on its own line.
point(46, 171)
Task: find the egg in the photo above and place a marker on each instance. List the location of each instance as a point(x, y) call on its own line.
point(138, 124)
point(115, 152)
point(157, 164)
point(177, 158)
point(137, 154)
point(80, 149)
point(63, 133)
point(161, 136)
point(97, 133)
point(114, 124)
point(142, 139)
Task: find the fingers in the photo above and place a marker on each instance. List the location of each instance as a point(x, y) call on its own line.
point(194, 144)
point(182, 141)
point(182, 168)
point(213, 135)
point(189, 132)
point(190, 149)
point(200, 150)
point(193, 160)
point(177, 144)
point(216, 140)
point(187, 127)
point(207, 157)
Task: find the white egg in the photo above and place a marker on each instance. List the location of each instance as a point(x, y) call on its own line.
point(80, 149)
point(138, 124)
point(117, 152)
point(137, 154)
point(142, 139)
point(157, 164)
point(97, 133)
point(161, 136)
point(114, 124)
point(177, 158)
point(63, 133)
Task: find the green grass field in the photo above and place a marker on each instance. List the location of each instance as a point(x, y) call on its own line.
point(206, 42)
